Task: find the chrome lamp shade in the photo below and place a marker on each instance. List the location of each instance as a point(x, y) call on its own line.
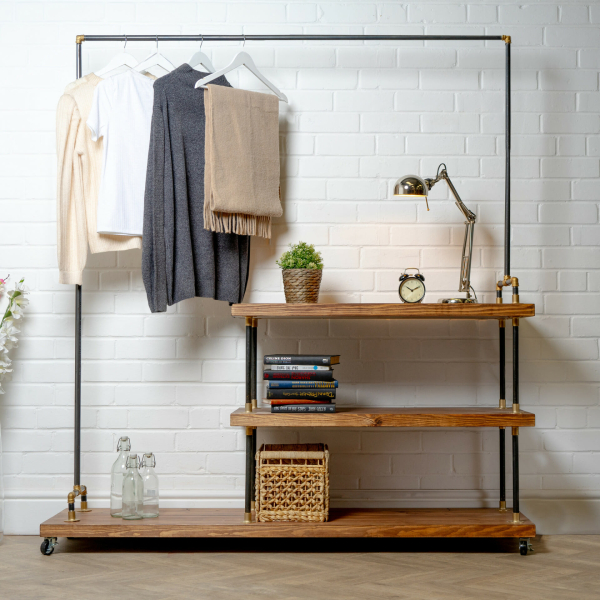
point(411, 185)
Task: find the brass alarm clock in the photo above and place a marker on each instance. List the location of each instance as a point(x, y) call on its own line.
point(412, 287)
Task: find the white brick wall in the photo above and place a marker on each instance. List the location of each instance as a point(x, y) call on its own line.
point(360, 115)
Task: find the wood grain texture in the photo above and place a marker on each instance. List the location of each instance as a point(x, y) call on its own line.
point(410, 416)
point(384, 311)
point(382, 523)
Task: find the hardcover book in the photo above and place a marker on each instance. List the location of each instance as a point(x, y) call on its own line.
point(302, 359)
point(271, 375)
point(301, 394)
point(302, 384)
point(303, 408)
point(299, 368)
point(292, 401)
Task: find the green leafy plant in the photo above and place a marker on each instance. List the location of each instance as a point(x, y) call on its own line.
point(301, 256)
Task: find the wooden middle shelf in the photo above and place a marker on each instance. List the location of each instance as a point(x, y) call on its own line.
point(387, 416)
point(384, 311)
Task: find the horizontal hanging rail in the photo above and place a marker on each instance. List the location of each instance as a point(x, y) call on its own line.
point(279, 38)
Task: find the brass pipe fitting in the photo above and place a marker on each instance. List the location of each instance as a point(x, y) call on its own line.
point(79, 39)
point(502, 506)
point(254, 322)
point(248, 321)
point(506, 38)
point(71, 514)
point(254, 403)
point(84, 504)
point(247, 517)
point(515, 430)
point(501, 323)
point(515, 408)
point(515, 321)
point(502, 403)
point(248, 407)
point(516, 517)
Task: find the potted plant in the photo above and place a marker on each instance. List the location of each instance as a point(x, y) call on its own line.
point(302, 268)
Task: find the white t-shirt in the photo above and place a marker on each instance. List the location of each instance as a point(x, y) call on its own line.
point(122, 114)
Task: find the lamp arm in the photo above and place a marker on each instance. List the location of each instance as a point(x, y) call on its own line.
point(467, 250)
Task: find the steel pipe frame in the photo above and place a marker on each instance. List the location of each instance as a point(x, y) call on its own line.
point(251, 380)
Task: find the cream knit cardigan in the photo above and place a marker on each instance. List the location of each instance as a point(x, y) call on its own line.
point(79, 174)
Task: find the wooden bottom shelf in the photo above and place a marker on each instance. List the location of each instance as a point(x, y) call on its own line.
point(353, 522)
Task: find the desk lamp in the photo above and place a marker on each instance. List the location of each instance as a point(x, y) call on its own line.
point(413, 186)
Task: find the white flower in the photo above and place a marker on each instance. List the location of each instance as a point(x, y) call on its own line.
point(16, 310)
point(8, 335)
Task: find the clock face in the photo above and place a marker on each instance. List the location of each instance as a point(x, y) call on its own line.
point(412, 290)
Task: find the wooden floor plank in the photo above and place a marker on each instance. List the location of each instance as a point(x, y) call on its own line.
point(228, 523)
point(563, 567)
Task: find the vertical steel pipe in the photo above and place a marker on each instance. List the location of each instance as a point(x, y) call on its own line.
point(248, 486)
point(507, 135)
point(502, 404)
point(515, 465)
point(515, 400)
point(248, 364)
point(77, 418)
point(254, 402)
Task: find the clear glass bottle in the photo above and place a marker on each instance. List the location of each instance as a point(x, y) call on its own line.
point(133, 490)
point(150, 479)
point(117, 472)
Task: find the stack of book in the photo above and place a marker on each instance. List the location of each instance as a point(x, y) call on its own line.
point(300, 383)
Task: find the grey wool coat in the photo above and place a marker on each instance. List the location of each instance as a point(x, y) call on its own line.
point(181, 259)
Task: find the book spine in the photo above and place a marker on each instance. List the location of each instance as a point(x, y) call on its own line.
point(291, 401)
point(298, 375)
point(302, 408)
point(299, 368)
point(291, 385)
point(301, 394)
point(282, 359)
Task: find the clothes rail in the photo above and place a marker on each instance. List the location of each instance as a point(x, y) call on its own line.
point(81, 490)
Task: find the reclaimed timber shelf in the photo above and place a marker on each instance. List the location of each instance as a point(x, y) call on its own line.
point(353, 522)
point(384, 311)
point(454, 416)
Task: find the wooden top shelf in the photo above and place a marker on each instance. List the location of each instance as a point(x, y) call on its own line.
point(387, 416)
point(383, 311)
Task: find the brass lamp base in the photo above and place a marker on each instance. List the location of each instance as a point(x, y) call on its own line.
point(458, 301)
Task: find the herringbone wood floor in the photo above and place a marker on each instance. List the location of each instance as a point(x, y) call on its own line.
point(561, 567)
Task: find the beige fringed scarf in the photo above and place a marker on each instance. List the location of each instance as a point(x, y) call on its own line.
point(241, 176)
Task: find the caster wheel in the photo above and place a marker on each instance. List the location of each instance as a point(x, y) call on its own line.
point(47, 548)
point(525, 547)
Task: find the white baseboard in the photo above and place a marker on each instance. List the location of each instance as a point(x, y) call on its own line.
point(553, 511)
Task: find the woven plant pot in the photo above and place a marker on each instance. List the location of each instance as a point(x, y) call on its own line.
point(301, 286)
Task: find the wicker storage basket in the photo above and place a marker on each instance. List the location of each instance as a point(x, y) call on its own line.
point(302, 285)
point(292, 483)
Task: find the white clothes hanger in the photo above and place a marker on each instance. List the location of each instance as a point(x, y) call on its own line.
point(245, 60)
point(199, 58)
point(155, 59)
point(124, 59)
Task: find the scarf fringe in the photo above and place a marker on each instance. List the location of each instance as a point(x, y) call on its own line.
point(238, 223)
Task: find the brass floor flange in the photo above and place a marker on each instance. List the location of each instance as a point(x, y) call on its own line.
point(247, 517)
